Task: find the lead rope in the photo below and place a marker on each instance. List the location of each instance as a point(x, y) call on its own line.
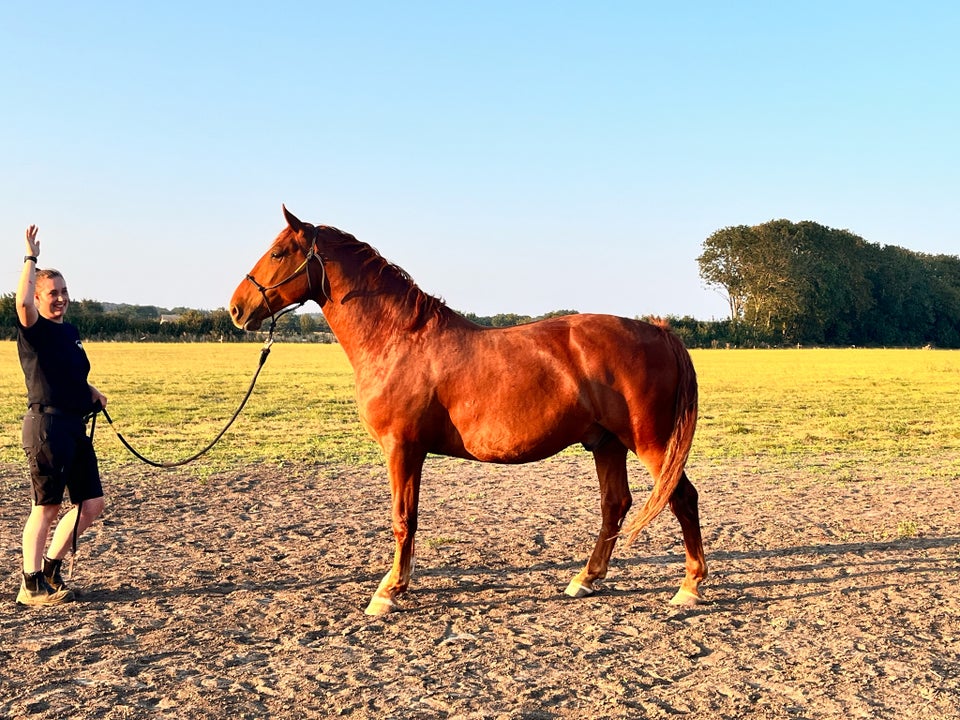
point(76, 535)
point(304, 267)
point(264, 352)
point(76, 522)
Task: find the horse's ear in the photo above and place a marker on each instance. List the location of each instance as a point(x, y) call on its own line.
point(292, 221)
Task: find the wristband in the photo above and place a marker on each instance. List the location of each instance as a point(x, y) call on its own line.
point(30, 257)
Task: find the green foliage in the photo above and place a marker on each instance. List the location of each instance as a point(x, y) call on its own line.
point(786, 283)
point(724, 263)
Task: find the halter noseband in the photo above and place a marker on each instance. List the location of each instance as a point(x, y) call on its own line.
point(312, 254)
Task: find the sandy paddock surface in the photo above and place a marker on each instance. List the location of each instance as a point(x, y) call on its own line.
point(243, 596)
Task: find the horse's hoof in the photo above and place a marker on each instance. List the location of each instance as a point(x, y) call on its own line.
point(380, 606)
point(685, 598)
point(577, 589)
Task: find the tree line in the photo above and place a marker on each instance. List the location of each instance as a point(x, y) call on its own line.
point(785, 283)
point(148, 323)
point(803, 283)
point(99, 321)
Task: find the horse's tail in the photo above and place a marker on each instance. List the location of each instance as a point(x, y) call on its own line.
point(678, 447)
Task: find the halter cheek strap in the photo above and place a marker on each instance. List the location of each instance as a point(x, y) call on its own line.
point(301, 268)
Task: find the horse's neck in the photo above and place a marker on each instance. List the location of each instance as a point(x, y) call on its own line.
point(363, 318)
point(374, 304)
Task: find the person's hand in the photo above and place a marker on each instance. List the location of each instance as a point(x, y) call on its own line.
point(33, 245)
point(97, 397)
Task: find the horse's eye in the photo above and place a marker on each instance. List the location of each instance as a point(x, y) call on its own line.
point(277, 255)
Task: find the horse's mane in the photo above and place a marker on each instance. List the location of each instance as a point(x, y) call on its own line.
point(419, 307)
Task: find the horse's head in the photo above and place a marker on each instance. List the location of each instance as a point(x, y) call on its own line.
point(289, 273)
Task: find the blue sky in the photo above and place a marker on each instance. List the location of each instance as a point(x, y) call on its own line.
point(512, 157)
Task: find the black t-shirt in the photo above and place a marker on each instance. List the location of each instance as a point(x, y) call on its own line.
point(55, 366)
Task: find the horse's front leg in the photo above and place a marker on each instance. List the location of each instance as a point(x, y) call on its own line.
point(405, 467)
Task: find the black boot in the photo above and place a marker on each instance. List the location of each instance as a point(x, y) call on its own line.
point(51, 573)
point(34, 590)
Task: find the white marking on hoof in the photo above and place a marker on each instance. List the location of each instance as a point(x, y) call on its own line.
point(685, 598)
point(380, 606)
point(577, 589)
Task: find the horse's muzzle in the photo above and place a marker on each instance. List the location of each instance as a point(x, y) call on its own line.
point(244, 323)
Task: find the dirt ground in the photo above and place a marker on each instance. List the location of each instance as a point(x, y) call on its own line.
point(242, 597)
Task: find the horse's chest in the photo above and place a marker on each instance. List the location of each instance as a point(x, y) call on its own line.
point(383, 404)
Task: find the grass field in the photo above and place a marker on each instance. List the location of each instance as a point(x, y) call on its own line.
point(834, 411)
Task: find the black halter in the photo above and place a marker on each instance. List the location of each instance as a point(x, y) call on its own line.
point(303, 267)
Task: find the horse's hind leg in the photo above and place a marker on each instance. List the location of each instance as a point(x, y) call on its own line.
point(683, 503)
point(611, 461)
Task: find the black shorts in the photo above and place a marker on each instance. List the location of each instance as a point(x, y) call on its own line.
point(60, 456)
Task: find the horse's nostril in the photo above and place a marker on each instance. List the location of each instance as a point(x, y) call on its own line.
point(235, 310)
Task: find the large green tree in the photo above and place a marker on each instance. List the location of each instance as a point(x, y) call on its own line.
point(752, 265)
point(723, 262)
point(807, 283)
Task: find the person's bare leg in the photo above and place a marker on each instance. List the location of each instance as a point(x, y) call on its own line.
point(90, 510)
point(35, 533)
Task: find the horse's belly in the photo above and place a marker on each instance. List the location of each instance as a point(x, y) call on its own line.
point(517, 437)
point(503, 453)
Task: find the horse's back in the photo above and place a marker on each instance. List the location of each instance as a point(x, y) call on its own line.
point(607, 346)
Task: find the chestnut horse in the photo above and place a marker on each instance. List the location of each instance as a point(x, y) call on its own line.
point(430, 381)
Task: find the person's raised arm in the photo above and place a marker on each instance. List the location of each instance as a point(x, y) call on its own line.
point(27, 289)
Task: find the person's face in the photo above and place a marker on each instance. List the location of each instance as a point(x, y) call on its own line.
point(52, 298)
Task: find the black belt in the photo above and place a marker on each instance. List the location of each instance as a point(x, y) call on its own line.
point(51, 410)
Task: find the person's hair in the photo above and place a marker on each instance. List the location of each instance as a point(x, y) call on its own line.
point(48, 273)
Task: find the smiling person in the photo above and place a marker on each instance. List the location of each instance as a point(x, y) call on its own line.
point(59, 453)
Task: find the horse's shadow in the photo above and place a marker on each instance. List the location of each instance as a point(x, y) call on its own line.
point(832, 570)
point(739, 577)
